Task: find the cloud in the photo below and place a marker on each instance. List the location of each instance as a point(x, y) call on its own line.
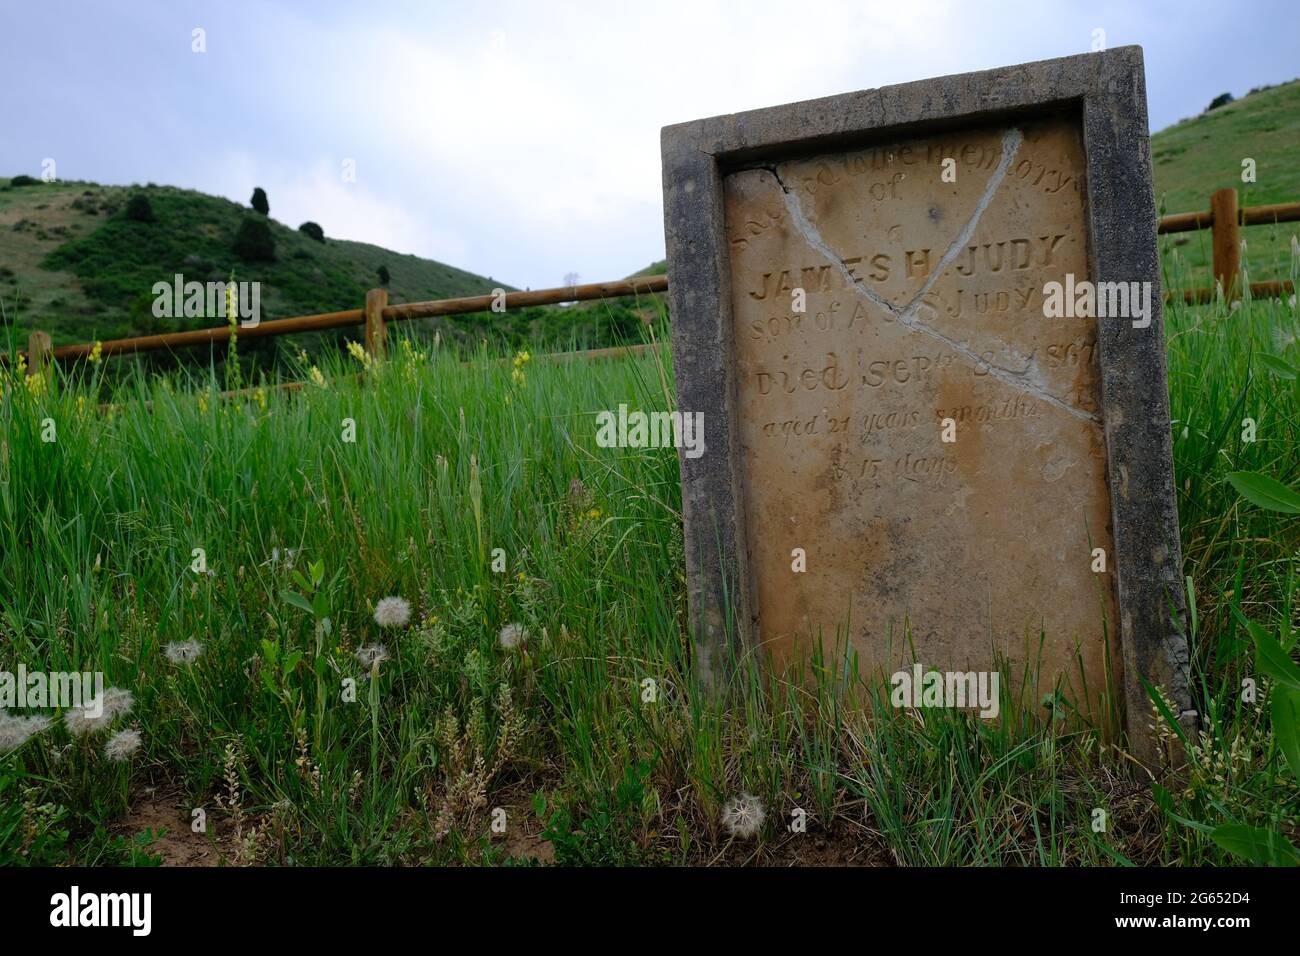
point(317, 191)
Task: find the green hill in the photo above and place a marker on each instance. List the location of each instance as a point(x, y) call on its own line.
point(1196, 156)
point(78, 267)
point(76, 264)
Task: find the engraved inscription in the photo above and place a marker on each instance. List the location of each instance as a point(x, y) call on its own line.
point(923, 312)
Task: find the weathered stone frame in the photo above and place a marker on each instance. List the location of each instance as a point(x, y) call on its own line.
point(1106, 91)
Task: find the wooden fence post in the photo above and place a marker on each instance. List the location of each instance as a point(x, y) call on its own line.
point(1226, 239)
point(38, 353)
point(376, 300)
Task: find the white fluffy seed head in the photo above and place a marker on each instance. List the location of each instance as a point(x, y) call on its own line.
point(114, 703)
point(183, 653)
point(392, 612)
point(122, 744)
point(743, 816)
point(16, 731)
point(512, 635)
point(372, 654)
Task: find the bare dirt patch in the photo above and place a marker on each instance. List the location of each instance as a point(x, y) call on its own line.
point(164, 811)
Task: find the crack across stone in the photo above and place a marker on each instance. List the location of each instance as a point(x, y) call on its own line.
point(1022, 380)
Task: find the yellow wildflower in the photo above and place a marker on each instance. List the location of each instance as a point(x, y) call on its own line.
point(594, 514)
point(96, 352)
point(360, 354)
point(259, 396)
point(203, 403)
point(316, 377)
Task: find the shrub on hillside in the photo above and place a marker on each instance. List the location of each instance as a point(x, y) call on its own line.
point(312, 231)
point(384, 277)
point(24, 181)
point(259, 201)
point(1223, 99)
point(139, 209)
point(254, 241)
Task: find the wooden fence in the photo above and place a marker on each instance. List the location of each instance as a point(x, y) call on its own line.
point(1224, 218)
point(374, 315)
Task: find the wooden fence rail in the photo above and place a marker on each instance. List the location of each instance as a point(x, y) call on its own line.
point(1225, 221)
point(1224, 218)
point(374, 316)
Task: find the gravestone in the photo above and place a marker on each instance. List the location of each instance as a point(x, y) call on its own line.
point(938, 425)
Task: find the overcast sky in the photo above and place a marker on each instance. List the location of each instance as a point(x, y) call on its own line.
point(521, 140)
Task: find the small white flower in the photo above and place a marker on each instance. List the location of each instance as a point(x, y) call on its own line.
point(392, 612)
point(183, 652)
point(372, 654)
point(743, 816)
point(122, 744)
point(512, 635)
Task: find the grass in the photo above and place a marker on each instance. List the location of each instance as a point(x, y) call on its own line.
point(588, 742)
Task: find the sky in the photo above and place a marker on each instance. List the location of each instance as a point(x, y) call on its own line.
point(521, 140)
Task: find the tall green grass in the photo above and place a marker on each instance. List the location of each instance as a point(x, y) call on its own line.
point(589, 734)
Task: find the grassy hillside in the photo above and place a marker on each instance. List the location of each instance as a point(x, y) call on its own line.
point(73, 263)
point(1195, 157)
point(72, 258)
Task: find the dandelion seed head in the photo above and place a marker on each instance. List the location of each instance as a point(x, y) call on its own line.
point(113, 703)
point(121, 745)
point(183, 653)
point(512, 635)
point(392, 612)
point(743, 816)
point(16, 731)
point(372, 654)
point(118, 702)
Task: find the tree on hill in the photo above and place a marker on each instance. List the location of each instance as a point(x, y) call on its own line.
point(1223, 99)
point(139, 209)
point(23, 180)
point(312, 231)
point(384, 277)
point(254, 241)
point(260, 202)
